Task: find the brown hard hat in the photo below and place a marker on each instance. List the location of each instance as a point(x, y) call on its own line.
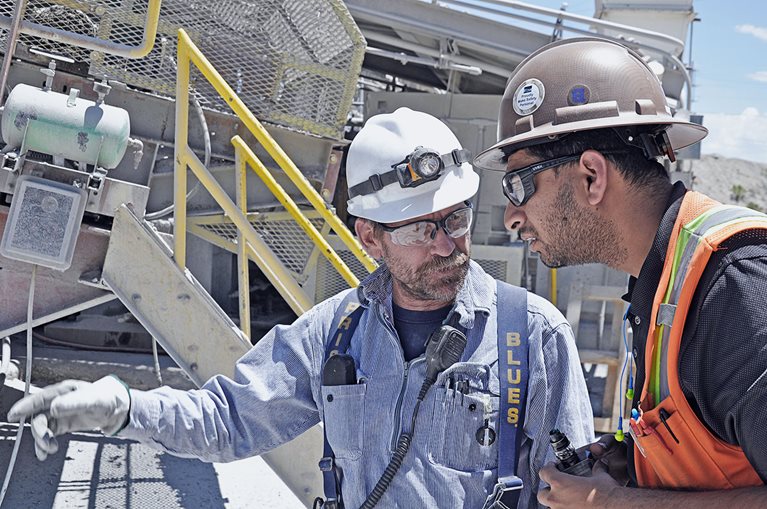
point(577, 85)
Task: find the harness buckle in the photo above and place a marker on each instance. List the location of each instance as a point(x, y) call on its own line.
point(327, 464)
point(332, 503)
point(505, 494)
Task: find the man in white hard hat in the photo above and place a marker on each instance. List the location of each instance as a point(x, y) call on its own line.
point(359, 362)
point(583, 128)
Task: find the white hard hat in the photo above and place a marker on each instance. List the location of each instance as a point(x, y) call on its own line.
point(382, 170)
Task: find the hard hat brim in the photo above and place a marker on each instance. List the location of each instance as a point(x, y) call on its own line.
point(681, 134)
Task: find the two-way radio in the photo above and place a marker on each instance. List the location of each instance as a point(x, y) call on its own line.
point(568, 459)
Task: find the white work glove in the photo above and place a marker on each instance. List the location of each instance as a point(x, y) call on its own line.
point(73, 405)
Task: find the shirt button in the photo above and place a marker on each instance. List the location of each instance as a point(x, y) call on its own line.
point(637, 320)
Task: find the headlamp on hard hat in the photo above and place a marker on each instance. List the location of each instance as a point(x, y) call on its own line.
point(420, 166)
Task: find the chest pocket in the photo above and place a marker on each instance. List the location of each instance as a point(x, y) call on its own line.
point(344, 409)
point(465, 420)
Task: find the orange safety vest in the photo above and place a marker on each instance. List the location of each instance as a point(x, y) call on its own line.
point(673, 448)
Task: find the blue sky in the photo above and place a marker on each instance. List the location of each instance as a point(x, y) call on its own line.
point(729, 55)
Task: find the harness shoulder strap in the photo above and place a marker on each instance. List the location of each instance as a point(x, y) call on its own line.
point(344, 323)
point(513, 375)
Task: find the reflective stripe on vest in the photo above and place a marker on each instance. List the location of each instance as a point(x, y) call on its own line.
point(673, 448)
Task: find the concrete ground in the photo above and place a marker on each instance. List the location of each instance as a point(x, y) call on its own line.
point(96, 472)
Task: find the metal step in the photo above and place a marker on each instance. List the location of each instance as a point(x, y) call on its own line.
point(194, 330)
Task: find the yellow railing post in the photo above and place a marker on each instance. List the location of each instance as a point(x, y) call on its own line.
point(179, 158)
point(241, 190)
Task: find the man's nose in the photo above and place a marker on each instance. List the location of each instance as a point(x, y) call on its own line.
point(443, 244)
point(514, 218)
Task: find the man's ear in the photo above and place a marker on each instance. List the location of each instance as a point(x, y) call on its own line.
point(366, 234)
point(594, 173)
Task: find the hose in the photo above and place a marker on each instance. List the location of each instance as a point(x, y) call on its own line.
point(158, 214)
point(20, 429)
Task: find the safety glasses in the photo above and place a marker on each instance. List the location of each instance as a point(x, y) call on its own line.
point(420, 233)
point(518, 186)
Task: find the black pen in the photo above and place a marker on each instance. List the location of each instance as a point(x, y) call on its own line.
point(663, 416)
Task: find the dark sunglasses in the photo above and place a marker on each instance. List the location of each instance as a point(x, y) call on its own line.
point(419, 233)
point(518, 186)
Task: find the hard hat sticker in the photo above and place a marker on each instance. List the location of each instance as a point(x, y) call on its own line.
point(579, 94)
point(528, 96)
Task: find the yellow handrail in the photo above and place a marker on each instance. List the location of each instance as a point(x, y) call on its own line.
point(241, 149)
point(250, 244)
point(263, 256)
point(187, 51)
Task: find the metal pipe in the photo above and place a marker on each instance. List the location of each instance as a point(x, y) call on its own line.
point(181, 139)
point(444, 62)
point(243, 274)
point(5, 357)
point(425, 50)
point(10, 47)
point(94, 43)
point(556, 13)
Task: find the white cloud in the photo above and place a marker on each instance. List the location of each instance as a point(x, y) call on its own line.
point(759, 76)
point(758, 32)
point(740, 136)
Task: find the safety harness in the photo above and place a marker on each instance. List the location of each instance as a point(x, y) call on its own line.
point(674, 449)
point(512, 374)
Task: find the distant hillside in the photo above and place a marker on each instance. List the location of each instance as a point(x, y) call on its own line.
point(731, 180)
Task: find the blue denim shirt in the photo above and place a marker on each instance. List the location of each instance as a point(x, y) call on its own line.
point(276, 395)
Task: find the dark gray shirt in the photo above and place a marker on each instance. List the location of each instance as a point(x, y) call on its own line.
point(415, 327)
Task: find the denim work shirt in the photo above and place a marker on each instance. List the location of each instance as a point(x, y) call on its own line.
point(276, 395)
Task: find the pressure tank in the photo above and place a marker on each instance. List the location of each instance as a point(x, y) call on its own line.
point(65, 125)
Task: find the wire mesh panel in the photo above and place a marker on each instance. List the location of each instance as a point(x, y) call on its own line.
point(286, 239)
point(293, 62)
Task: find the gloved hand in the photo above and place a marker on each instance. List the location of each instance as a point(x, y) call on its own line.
point(73, 405)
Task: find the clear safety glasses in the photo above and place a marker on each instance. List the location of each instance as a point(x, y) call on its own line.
point(519, 186)
point(420, 233)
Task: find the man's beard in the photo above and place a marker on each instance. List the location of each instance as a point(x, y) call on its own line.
point(577, 236)
point(427, 282)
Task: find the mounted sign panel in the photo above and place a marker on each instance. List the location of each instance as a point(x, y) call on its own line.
point(43, 222)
